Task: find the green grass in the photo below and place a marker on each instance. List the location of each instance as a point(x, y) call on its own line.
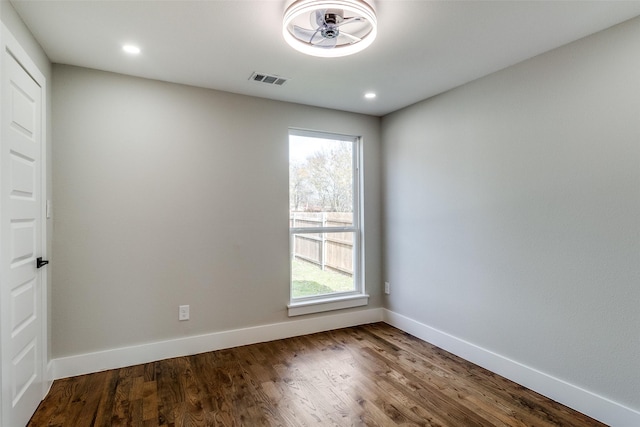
point(308, 279)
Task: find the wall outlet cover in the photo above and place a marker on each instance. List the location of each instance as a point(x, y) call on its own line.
point(183, 312)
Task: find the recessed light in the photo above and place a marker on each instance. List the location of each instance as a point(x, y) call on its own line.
point(369, 95)
point(129, 48)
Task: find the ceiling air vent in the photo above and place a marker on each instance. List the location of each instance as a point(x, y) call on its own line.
point(270, 79)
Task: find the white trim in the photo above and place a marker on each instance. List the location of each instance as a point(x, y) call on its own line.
point(589, 403)
point(321, 305)
point(145, 353)
point(48, 378)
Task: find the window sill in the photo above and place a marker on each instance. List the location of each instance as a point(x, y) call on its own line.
point(328, 304)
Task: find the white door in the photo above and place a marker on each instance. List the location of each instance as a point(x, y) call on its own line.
point(21, 318)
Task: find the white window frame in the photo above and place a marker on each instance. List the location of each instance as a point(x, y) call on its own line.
point(340, 300)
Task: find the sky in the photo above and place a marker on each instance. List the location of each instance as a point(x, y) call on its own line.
point(301, 147)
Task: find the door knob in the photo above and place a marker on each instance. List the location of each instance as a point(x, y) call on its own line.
point(41, 262)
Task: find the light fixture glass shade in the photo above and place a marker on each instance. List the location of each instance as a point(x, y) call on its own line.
point(329, 28)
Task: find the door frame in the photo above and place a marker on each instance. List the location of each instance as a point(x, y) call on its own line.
point(9, 44)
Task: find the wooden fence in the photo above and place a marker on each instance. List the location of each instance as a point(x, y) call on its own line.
point(330, 251)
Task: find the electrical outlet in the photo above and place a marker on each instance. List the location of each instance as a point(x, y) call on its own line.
point(386, 288)
point(183, 312)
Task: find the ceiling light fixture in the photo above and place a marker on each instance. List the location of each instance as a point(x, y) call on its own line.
point(129, 48)
point(329, 28)
point(370, 95)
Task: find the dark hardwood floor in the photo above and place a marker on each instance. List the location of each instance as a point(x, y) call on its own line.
point(372, 375)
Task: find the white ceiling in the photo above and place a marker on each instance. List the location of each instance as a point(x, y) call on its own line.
point(423, 47)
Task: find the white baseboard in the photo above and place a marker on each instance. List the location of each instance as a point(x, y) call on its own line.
point(120, 357)
point(591, 404)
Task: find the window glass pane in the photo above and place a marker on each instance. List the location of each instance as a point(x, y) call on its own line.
point(320, 180)
point(323, 197)
point(320, 219)
point(322, 263)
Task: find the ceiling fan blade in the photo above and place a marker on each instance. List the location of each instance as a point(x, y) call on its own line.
point(305, 34)
point(326, 43)
point(317, 18)
point(353, 38)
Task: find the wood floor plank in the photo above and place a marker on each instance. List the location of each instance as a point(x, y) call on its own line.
point(149, 400)
point(94, 402)
point(370, 375)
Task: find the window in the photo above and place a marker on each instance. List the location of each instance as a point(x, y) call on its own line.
point(324, 222)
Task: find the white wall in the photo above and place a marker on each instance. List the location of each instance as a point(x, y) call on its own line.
point(167, 195)
point(512, 213)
